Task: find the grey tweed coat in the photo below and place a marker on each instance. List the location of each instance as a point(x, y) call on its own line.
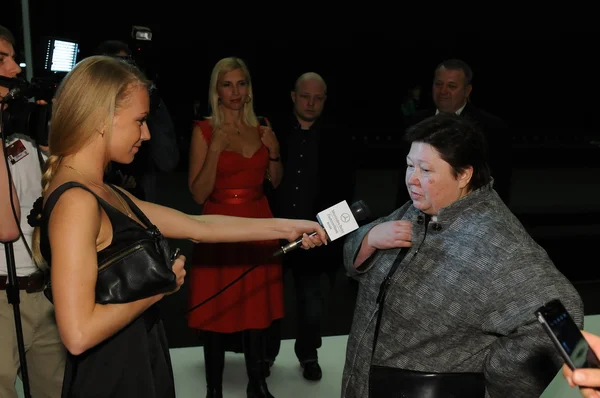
point(462, 300)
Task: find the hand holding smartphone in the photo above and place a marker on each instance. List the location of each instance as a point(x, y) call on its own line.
point(566, 336)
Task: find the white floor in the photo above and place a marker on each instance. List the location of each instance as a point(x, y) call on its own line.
point(286, 374)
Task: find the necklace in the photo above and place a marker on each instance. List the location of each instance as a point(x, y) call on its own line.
point(234, 126)
point(112, 192)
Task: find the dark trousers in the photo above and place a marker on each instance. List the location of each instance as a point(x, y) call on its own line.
point(253, 344)
point(307, 268)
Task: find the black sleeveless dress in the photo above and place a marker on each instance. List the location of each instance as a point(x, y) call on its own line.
point(134, 362)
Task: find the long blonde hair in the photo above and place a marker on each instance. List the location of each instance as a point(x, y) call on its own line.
point(84, 106)
point(222, 67)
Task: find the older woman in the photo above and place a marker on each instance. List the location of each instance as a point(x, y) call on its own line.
point(449, 283)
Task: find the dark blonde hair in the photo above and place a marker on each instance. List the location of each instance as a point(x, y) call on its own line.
point(85, 104)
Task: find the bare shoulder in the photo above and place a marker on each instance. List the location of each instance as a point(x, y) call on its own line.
point(75, 207)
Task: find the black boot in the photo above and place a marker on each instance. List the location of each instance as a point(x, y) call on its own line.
point(254, 354)
point(214, 362)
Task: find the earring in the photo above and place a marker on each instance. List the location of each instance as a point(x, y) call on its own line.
point(219, 101)
point(248, 99)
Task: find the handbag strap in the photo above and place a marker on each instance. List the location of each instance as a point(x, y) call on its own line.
point(386, 283)
point(55, 195)
point(383, 291)
point(136, 210)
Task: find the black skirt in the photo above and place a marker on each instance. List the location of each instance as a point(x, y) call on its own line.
point(135, 362)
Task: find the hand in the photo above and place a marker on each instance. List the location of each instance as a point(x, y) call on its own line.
point(304, 228)
point(219, 140)
point(310, 241)
point(267, 136)
point(589, 377)
point(391, 234)
point(179, 271)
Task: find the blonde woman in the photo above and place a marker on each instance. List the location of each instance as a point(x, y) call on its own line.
point(116, 350)
point(230, 154)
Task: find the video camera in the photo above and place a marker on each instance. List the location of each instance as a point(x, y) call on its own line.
point(23, 116)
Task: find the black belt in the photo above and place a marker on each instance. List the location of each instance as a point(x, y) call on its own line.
point(392, 382)
point(32, 283)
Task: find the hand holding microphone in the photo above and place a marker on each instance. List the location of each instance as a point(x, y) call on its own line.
point(337, 221)
point(311, 234)
point(305, 241)
point(313, 240)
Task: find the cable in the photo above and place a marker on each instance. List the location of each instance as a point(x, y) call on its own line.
point(222, 290)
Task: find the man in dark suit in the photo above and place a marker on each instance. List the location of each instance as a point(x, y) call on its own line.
point(317, 175)
point(452, 86)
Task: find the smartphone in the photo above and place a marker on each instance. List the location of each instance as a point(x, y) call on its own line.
point(175, 255)
point(566, 336)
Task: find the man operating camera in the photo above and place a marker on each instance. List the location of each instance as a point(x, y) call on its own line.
point(45, 353)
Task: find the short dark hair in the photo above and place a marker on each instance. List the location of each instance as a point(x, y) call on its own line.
point(6, 34)
point(457, 64)
point(458, 141)
point(112, 48)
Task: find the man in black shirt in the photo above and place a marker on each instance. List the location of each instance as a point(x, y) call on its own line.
point(317, 175)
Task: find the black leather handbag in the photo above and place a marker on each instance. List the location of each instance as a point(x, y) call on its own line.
point(389, 382)
point(135, 270)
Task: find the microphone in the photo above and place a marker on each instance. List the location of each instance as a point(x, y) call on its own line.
point(338, 220)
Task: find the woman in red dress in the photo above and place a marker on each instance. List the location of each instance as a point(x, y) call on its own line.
point(230, 155)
